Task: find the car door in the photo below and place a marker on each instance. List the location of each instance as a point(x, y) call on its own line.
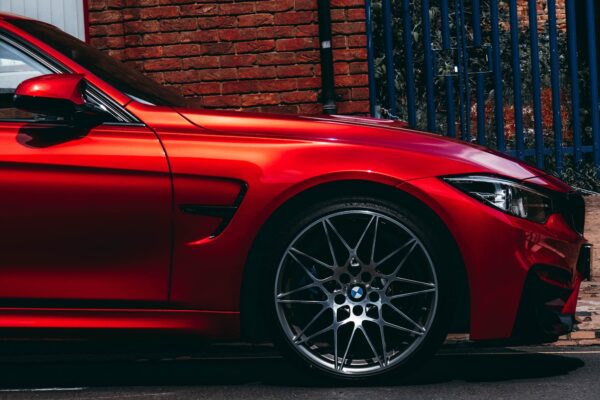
point(85, 214)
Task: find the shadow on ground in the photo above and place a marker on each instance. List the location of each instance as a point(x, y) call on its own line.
point(154, 362)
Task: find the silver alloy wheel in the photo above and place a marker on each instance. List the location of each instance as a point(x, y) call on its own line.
point(356, 292)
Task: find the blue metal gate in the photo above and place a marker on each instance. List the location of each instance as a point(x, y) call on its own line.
point(491, 72)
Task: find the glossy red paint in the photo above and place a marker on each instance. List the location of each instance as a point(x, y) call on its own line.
point(66, 87)
point(101, 216)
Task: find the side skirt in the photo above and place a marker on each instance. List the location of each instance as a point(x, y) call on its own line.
point(205, 324)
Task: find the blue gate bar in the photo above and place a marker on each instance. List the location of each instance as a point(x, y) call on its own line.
point(428, 66)
point(462, 85)
point(450, 115)
point(498, 84)
point(410, 70)
point(536, 84)
point(574, 76)
point(477, 41)
point(555, 81)
point(371, 60)
point(389, 58)
point(465, 62)
point(516, 67)
point(593, 59)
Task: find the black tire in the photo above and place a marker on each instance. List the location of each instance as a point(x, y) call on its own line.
point(428, 246)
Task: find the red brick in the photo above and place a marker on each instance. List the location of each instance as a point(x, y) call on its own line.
point(299, 97)
point(246, 86)
point(163, 64)
point(201, 10)
point(220, 74)
point(352, 80)
point(311, 56)
point(249, 100)
point(182, 50)
point(236, 8)
point(234, 35)
point(105, 17)
point(255, 20)
point(275, 32)
point(180, 24)
point(274, 5)
point(277, 85)
point(295, 70)
point(204, 88)
point(358, 67)
point(360, 93)
point(309, 83)
point(220, 22)
point(276, 58)
point(244, 60)
point(257, 72)
point(257, 46)
point(353, 107)
point(305, 4)
point(159, 12)
point(295, 18)
point(348, 28)
point(202, 62)
point(222, 101)
point(218, 48)
point(296, 44)
point(181, 76)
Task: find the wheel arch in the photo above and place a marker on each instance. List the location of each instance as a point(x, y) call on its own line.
point(253, 323)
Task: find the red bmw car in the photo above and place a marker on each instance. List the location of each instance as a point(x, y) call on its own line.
point(355, 244)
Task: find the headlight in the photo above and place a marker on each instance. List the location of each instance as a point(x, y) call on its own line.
point(510, 197)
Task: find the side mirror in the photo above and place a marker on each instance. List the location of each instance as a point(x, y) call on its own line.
point(58, 95)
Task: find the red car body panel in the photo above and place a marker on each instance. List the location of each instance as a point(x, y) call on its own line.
point(104, 218)
point(86, 218)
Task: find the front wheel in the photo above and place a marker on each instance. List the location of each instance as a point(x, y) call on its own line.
point(360, 289)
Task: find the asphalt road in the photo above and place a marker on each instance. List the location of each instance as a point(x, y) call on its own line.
point(59, 369)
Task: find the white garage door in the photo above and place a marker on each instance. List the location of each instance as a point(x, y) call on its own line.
point(68, 15)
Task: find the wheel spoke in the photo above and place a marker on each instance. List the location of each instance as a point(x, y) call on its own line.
point(300, 289)
point(364, 234)
point(295, 301)
point(308, 272)
point(400, 328)
point(411, 242)
point(406, 317)
point(383, 344)
point(402, 295)
point(364, 332)
point(405, 280)
point(311, 258)
point(346, 245)
point(374, 240)
point(314, 335)
point(347, 348)
point(312, 321)
point(406, 256)
point(333, 257)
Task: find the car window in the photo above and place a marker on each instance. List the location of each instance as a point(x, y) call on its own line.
point(15, 67)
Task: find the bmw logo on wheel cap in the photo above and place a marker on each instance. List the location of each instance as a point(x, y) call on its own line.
point(357, 293)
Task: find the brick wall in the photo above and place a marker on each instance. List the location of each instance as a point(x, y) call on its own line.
point(251, 55)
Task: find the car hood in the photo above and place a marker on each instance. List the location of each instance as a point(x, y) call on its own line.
point(361, 131)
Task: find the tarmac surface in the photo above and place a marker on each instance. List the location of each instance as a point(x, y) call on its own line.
point(109, 369)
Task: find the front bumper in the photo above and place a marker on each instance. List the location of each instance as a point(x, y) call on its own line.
point(504, 258)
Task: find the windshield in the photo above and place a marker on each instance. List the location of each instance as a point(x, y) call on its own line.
point(129, 81)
